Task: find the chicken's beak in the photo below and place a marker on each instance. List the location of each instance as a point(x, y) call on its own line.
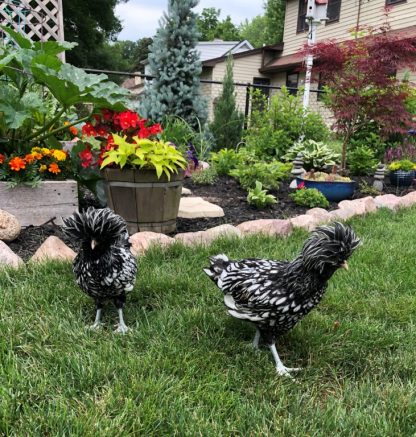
point(344, 265)
point(93, 244)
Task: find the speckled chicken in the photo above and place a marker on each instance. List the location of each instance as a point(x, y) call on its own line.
point(275, 295)
point(104, 268)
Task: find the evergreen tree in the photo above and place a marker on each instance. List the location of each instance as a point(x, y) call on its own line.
point(228, 122)
point(174, 62)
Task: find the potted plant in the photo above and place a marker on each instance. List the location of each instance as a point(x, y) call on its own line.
point(333, 186)
point(144, 182)
point(402, 172)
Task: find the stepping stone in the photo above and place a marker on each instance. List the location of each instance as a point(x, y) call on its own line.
point(8, 258)
point(197, 207)
point(186, 191)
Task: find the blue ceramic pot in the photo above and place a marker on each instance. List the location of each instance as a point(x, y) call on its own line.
point(401, 178)
point(333, 191)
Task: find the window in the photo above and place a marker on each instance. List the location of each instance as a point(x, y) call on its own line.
point(259, 104)
point(292, 80)
point(333, 11)
point(394, 2)
point(302, 25)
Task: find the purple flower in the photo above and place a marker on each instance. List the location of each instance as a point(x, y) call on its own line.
point(192, 155)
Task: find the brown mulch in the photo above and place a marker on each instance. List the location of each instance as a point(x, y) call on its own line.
point(225, 193)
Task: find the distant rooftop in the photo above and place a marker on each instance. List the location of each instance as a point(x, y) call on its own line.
point(218, 48)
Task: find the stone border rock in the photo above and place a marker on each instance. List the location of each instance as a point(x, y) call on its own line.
point(53, 248)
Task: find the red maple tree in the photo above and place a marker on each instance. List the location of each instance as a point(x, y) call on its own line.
point(360, 75)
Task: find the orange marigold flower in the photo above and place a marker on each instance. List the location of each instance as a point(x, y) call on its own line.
point(42, 168)
point(60, 155)
point(36, 155)
point(17, 163)
point(54, 168)
point(30, 158)
point(2, 158)
point(73, 130)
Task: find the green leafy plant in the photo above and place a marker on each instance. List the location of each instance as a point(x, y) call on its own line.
point(258, 197)
point(31, 72)
point(404, 165)
point(316, 154)
point(365, 188)
point(361, 160)
point(309, 197)
point(269, 174)
point(144, 153)
point(276, 125)
point(226, 160)
point(207, 176)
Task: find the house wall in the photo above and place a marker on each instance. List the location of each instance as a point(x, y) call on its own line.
point(401, 15)
point(244, 71)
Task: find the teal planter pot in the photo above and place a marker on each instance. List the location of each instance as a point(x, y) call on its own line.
point(333, 191)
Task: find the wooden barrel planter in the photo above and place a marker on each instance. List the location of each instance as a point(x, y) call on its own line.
point(144, 201)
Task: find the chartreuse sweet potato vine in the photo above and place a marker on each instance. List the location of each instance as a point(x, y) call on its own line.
point(144, 153)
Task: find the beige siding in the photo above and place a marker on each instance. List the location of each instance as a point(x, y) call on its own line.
point(245, 70)
point(401, 15)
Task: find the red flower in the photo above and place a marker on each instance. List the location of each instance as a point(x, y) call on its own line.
point(88, 129)
point(86, 157)
point(2, 158)
point(107, 114)
point(144, 133)
point(301, 186)
point(126, 120)
point(155, 129)
point(101, 130)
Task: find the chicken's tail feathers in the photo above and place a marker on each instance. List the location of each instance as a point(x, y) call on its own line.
point(98, 224)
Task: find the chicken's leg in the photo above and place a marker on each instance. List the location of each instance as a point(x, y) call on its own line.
point(122, 327)
point(281, 369)
point(97, 324)
point(256, 339)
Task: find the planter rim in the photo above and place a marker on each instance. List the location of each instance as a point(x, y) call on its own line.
point(327, 182)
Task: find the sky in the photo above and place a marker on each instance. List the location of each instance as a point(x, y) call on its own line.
point(140, 18)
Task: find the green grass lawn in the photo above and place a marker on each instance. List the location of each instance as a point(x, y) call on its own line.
point(187, 368)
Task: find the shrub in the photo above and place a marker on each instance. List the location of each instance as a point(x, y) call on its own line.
point(361, 160)
point(310, 197)
point(275, 127)
point(404, 165)
point(225, 160)
point(269, 174)
point(316, 155)
point(207, 176)
point(227, 126)
point(369, 136)
point(259, 197)
point(365, 188)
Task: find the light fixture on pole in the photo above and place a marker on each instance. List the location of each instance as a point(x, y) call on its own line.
point(316, 13)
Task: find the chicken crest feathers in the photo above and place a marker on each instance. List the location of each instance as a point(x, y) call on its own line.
point(99, 224)
point(329, 245)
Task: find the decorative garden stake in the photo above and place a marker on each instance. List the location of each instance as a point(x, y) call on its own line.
point(378, 183)
point(297, 170)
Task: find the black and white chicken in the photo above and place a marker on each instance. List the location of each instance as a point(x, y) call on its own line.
point(275, 295)
point(104, 268)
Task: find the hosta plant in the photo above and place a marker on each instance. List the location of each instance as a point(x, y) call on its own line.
point(258, 197)
point(160, 156)
point(316, 154)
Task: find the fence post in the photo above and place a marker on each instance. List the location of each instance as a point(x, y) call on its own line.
point(247, 108)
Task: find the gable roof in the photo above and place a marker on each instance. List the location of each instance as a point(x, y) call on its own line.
point(217, 48)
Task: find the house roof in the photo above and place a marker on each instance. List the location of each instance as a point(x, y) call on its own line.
point(218, 48)
point(270, 48)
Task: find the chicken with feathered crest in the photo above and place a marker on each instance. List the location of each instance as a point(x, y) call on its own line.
point(275, 295)
point(104, 268)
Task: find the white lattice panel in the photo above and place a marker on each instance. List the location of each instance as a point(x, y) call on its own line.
point(40, 20)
